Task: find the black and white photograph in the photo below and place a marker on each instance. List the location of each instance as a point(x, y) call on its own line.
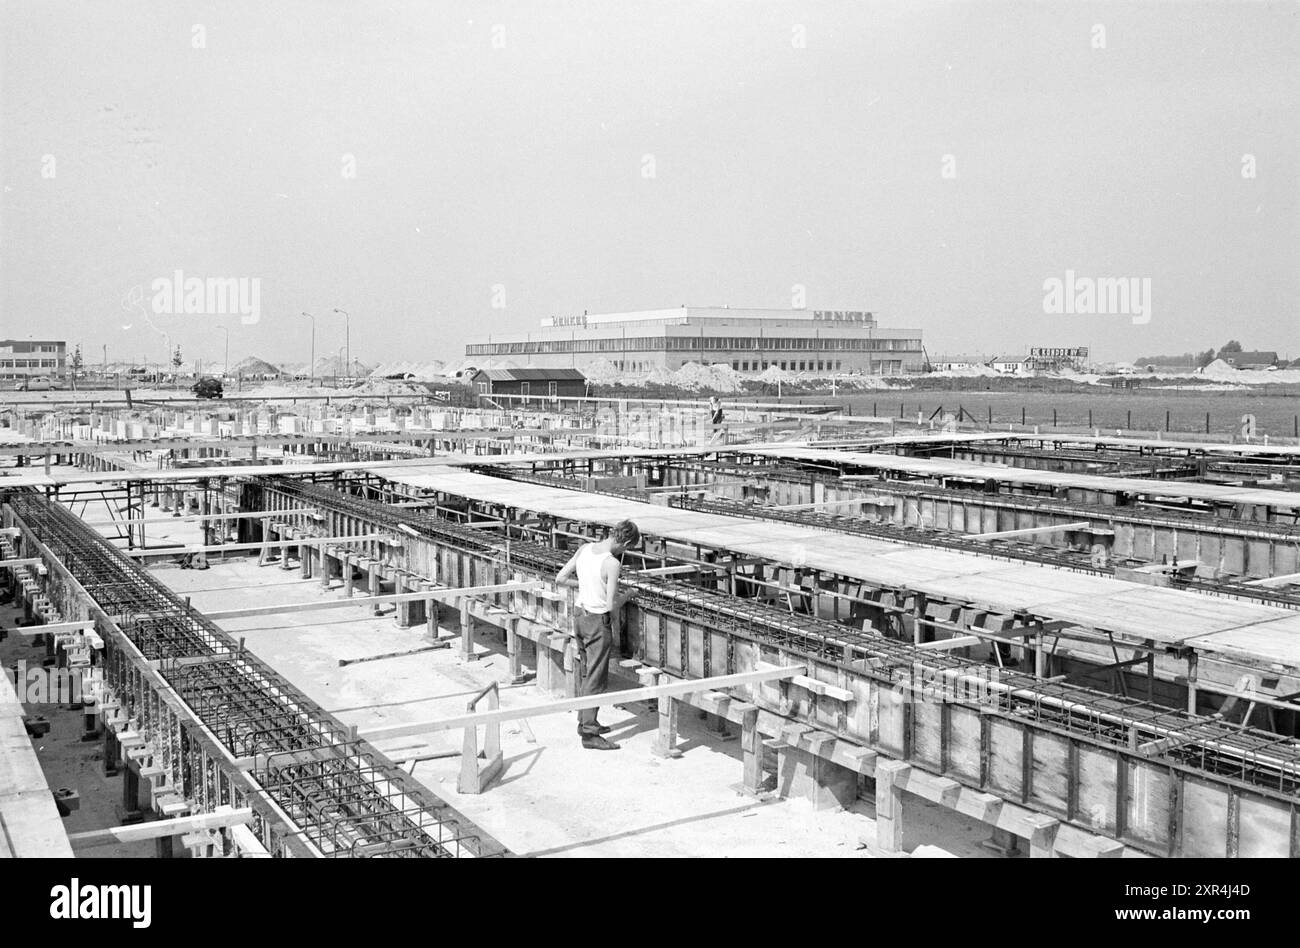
point(654, 430)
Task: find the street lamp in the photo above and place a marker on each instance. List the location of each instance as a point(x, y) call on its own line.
point(347, 338)
point(311, 368)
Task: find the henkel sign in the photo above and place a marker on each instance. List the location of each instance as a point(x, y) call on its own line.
point(842, 315)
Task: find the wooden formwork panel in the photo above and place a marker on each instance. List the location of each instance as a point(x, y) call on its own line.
point(943, 515)
point(1165, 543)
point(1006, 774)
point(1144, 542)
point(1259, 559)
point(1286, 559)
point(966, 744)
point(671, 647)
point(1050, 774)
point(1122, 546)
point(1266, 829)
point(1096, 778)
point(1234, 555)
point(1148, 804)
point(651, 630)
point(859, 723)
point(1204, 819)
point(1187, 545)
point(928, 733)
point(891, 721)
point(694, 666)
point(1211, 550)
point(718, 664)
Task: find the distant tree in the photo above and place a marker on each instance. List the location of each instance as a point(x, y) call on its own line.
point(75, 363)
point(1232, 346)
point(1205, 358)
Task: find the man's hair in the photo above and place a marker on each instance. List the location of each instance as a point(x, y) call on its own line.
point(626, 534)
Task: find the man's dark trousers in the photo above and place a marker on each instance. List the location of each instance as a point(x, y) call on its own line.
point(596, 640)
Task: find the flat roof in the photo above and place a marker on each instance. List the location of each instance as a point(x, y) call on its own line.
point(971, 470)
point(1238, 630)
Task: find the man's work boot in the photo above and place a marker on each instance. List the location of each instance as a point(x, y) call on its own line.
point(598, 743)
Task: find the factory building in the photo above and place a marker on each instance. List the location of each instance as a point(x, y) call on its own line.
point(749, 340)
point(20, 358)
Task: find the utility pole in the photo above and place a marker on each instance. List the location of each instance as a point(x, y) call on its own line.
point(347, 339)
point(311, 367)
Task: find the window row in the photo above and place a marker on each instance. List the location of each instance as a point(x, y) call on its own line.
point(689, 344)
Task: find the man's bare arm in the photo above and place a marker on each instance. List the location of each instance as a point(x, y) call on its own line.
point(565, 577)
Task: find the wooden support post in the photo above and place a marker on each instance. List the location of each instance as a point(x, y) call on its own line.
point(402, 610)
point(666, 743)
point(372, 579)
point(890, 775)
point(1042, 842)
point(574, 660)
point(1002, 841)
point(514, 651)
point(349, 582)
point(751, 752)
point(466, 633)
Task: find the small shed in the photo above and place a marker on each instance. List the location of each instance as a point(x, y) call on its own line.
point(1250, 360)
point(546, 383)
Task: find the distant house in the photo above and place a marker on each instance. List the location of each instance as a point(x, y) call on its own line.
point(1012, 365)
point(1250, 360)
point(547, 383)
point(949, 363)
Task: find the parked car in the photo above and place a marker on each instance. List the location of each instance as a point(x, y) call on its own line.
point(37, 383)
point(208, 388)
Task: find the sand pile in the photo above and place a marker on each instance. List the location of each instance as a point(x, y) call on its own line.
point(603, 372)
point(422, 371)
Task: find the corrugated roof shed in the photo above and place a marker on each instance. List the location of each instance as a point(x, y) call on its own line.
point(534, 375)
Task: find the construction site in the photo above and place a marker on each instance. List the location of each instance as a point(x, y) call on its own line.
point(313, 629)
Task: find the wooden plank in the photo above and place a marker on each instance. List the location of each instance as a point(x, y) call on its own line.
point(671, 690)
point(135, 832)
point(423, 594)
point(54, 628)
point(199, 518)
point(1028, 531)
point(264, 545)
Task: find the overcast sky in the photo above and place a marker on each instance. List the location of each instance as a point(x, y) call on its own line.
point(402, 160)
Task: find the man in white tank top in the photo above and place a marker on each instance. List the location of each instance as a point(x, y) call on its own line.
point(594, 570)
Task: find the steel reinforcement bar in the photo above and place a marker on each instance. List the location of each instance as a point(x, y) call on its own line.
point(339, 793)
point(695, 631)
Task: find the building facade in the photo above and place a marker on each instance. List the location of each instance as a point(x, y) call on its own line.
point(952, 363)
point(23, 358)
point(749, 340)
point(1012, 365)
